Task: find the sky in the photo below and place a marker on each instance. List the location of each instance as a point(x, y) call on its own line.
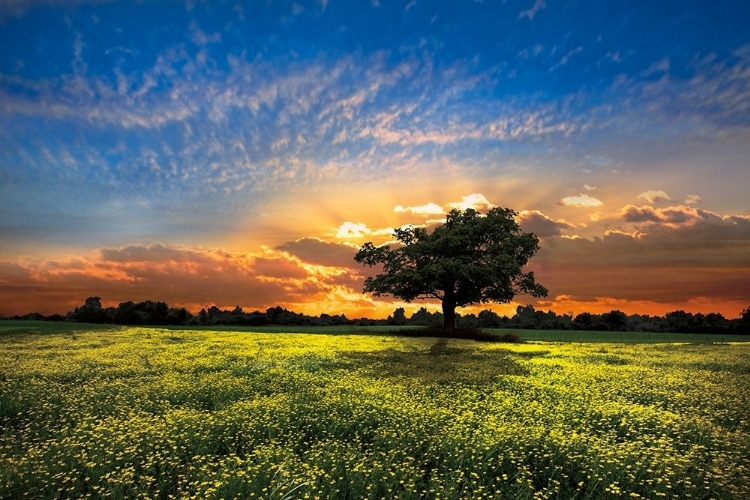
point(239, 153)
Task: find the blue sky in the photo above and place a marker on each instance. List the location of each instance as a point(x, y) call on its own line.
point(249, 126)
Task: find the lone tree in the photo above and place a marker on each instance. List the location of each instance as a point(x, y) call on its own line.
point(469, 259)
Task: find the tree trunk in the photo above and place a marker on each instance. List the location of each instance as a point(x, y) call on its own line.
point(449, 312)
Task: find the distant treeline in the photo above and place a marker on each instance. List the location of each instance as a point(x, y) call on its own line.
point(526, 317)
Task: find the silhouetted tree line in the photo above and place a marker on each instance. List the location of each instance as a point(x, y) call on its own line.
point(616, 321)
point(159, 313)
point(526, 317)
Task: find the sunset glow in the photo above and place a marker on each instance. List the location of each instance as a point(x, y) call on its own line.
point(240, 154)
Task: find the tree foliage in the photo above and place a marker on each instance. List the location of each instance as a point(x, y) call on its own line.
point(469, 259)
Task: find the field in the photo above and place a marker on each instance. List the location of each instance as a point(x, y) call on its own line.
point(166, 413)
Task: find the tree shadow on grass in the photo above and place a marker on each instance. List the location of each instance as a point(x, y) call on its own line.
point(439, 347)
point(441, 363)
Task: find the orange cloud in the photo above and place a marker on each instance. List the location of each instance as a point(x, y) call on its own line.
point(671, 257)
point(582, 200)
point(428, 209)
point(536, 222)
point(563, 304)
point(349, 230)
point(183, 277)
point(317, 251)
point(475, 200)
point(352, 230)
point(672, 215)
point(654, 196)
point(660, 263)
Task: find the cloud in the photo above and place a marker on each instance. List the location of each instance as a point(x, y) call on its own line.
point(371, 116)
point(532, 12)
point(475, 201)
point(428, 209)
point(384, 129)
point(582, 200)
point(664, 261)
point(715, 97)
point(614, 56)
point(603, 304)
point(536, 222)
point(670, 215)
point(140, 253)
point(200, 38)
point(653, 196)
point(79, 65)
point(317, 251)
point(631, 213)
point(589, 188)
point(184, 276)
point(564, 60)
point(661, 66)
point(693, 199)
point(353, 230)
point(294, 112)
point(535, 51)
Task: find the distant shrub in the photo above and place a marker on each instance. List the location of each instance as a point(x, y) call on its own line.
point(510, 337)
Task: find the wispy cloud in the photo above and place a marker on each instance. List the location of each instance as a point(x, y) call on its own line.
point(564, 60)
point(661, 66)
point(352, 230)
point(614, 56)
point(654, 196)
point(293, 114)
point(714, 99)
point(474, 201)
point(428, 209)
point(581, 200)
point(199, 37)
point(532, 12)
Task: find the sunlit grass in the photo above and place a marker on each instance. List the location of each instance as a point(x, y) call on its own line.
point(155, 413)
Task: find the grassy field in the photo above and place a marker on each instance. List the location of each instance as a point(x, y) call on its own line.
point(617, 337)
point(45, 327)
point(163, 413)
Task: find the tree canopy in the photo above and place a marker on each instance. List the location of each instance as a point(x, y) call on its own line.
point(471, 258)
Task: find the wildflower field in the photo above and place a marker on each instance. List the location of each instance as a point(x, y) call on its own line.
point(156, 413)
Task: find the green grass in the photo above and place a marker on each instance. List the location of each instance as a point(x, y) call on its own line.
point(617, 337)
point(11, 326)
point(169, 413)
point(47, 327)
